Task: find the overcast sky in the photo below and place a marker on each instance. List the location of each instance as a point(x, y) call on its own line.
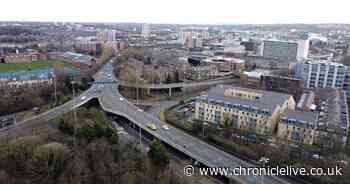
point(178, 11)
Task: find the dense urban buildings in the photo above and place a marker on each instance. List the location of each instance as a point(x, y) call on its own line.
point(285, 94)
point(318, 119)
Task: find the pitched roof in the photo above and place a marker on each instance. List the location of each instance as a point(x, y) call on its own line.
point(268, 100)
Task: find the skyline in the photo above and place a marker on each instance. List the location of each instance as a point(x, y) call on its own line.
point(178, 12)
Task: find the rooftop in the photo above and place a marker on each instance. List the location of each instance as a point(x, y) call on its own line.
point(322, 61)
point(267, 100)
point(257, 73)
point(281, 41)
point(306, 100)
point(300, 116)
point(220, 59)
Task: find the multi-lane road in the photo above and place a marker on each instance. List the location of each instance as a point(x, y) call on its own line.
point(113, 102)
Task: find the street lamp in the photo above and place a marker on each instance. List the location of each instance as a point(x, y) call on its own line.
point(140, 137)
point(55, 86)
point(74, 111)
point(203, 126)
point(137, 92)
point(263, 161)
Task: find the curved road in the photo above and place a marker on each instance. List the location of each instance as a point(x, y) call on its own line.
point(112, 101)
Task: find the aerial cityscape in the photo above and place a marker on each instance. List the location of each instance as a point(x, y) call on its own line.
point(156, 102)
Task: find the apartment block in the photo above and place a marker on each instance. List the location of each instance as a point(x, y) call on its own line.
point(250, 110)
point(322, 74)
point(298, 126)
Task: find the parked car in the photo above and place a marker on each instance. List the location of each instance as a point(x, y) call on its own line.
point(165, 127)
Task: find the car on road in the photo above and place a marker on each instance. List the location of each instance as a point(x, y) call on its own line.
point(83, 98)
point(122, 133)
point(317, 156)
point(121, 99)
point(165, 127)
point(152, 126)
point(119, 128)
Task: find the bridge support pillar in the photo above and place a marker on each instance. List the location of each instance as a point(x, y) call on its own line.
point(169, 91)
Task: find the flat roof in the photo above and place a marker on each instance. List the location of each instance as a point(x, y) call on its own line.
point(220, 59)
point(257, 73)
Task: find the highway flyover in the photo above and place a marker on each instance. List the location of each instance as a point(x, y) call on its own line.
point(113, 102)
point(178, 85)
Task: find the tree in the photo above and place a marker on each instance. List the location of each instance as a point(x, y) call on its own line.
point(168, 79)
point(197, 127)
point(227, 127)
point(85, 82)
point(177, 76)
point(158, 154)
point(48, 162)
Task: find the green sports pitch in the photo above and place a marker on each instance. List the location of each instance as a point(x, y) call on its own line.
point(6, 67)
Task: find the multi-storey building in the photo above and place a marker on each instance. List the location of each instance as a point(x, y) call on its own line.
point(89, 47)
point(249, 110)
point(281, 84)
point(321, 74)
point(194, 42)
point(146, 30)
point(190, 32)
point(286, 50)
point(107, 35)
point(280, 50)
point(225, 64)
point(298, 126)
